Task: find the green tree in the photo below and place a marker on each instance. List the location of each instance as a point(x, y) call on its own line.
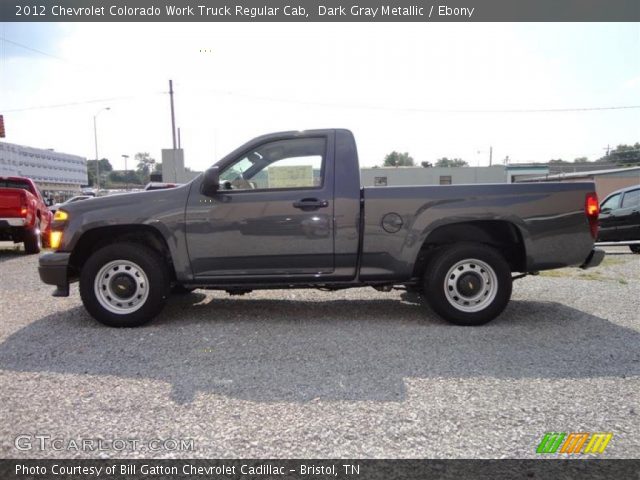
point(396, 159)
point(144, 165)
point(557, 160)
point(105, 168)
point(426, 164)
point(624, 155)
point(120, 177)
point(581, 160)
point(451, 162)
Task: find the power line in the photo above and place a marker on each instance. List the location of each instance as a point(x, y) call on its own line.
point(31, 49)
point(72, 104)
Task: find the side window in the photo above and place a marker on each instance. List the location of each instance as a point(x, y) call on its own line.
point(611, 202)
point(631, 199)
point(294, 163)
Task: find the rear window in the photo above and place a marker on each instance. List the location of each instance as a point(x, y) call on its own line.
point(15, 184)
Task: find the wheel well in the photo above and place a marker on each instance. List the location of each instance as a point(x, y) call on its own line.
point(97, 238)
point(500, 234)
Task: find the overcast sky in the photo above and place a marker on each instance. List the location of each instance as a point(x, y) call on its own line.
point(396, 86)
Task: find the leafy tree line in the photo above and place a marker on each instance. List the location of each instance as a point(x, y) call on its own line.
point(144, 166)
point(622, 156)
point(396, 159)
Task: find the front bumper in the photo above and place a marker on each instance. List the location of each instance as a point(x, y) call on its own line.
point(594, 259)
point(54, 270)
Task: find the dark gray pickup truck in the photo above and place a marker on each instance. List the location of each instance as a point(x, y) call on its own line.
point(287, 210)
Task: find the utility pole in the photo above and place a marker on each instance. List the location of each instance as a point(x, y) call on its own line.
point(95, 138)
point(179, 143)
point(490, 155)
point(126, 173)
point(173, 116)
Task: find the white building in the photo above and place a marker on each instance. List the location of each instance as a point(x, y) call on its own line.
point(58, 173)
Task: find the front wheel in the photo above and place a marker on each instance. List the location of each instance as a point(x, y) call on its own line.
point(124, 285)
point(468, 284)
point(634, 248)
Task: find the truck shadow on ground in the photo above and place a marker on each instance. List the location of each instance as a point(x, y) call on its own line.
point(296, 351)
point(10, 253)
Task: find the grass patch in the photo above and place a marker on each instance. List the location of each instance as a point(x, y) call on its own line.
point(592, 276)
point(564, 273)
point(608, 261)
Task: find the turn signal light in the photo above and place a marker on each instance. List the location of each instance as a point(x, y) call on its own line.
point(55, 239)
point(60, 216)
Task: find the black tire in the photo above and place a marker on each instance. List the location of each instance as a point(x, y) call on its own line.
point(634, 248)
point(468, 284)
point(134, 262)
point(33, 239)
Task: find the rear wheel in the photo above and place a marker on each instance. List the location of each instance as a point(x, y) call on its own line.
point(33, 239)
point(468, 284)
point(124, 285)
point(635, 248)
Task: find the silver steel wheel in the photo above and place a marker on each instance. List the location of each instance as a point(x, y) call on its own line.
point(121, 287)
point(471, 285)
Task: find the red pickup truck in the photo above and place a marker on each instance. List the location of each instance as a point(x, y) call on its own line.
point(24, 217)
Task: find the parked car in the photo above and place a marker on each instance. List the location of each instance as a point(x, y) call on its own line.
point(287, 210)
point(76, 198)
point(24, 216)
point(159, 186)
point(620, 217)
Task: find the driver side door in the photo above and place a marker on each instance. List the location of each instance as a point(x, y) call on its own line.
point(272, 215)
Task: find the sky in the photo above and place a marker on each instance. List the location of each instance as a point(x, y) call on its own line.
point(429, 89)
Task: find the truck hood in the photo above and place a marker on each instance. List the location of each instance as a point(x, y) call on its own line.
point(130, 208)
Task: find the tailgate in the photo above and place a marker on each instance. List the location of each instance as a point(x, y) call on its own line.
point(11, 199)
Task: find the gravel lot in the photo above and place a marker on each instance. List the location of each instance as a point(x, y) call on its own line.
point(303, 373)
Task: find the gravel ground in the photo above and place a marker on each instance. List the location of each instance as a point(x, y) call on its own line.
point(302, 373)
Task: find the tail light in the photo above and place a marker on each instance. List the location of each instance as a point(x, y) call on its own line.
point(592, 209)
point(23, 211)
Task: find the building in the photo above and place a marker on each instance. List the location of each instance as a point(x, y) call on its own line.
point(383, 176)
point(388, 176)
point(606, 181)
point(173, 170)
point(58, 175)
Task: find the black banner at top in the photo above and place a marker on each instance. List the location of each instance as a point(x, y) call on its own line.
point(319, 11)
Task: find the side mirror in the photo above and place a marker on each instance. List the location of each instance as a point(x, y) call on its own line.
point(210, 182)
point(605, 210)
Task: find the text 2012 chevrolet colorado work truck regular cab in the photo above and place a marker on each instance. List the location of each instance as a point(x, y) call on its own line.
point(286, 210)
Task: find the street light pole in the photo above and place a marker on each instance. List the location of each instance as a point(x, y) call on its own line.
point(126, 177)
point(95, 138)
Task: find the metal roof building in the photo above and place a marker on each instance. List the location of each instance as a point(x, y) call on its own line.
point(49, 169)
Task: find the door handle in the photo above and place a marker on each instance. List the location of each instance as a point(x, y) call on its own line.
point(310, 204)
